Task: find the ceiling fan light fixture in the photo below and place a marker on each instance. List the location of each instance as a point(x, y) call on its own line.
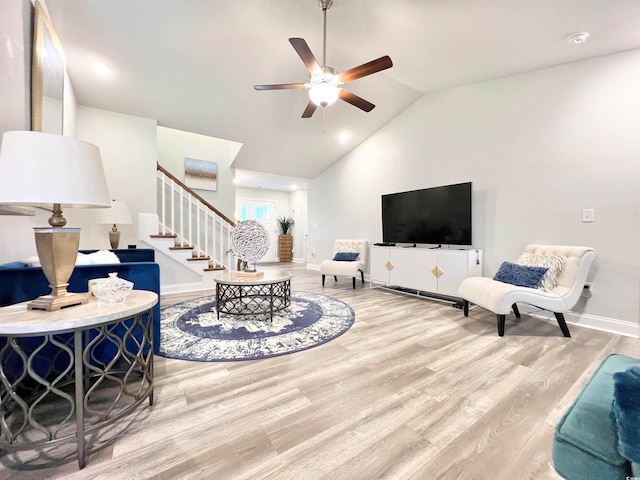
point(324, 94)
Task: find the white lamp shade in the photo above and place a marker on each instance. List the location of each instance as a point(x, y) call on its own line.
point(324, 94)
point(118, 213)
point(40, 169)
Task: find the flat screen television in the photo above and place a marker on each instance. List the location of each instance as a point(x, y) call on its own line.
point(438, 215)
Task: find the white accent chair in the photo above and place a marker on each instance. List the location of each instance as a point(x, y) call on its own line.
point(501, 298)
point(346, 268)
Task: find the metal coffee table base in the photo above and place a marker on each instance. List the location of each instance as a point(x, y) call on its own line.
point(252, 297)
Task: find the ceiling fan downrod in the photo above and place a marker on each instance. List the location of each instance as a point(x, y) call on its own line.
point(324, 5)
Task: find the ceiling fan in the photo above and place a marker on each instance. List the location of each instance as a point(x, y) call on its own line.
point(324, 82)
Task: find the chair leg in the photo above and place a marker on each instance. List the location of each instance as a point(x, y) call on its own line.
point(465, 307)
point(501, 325)
point(323, 280)
point(562, 323)
point(362, 276)
point(515, 310)
point(354, 282)
point(335, 278)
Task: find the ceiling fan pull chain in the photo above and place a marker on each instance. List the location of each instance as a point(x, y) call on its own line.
point(324, 112)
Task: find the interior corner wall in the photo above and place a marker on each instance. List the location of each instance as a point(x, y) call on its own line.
point(298, 209)
point(69, 109)
point(128, 149)
point(174, 145)
point(539, 147)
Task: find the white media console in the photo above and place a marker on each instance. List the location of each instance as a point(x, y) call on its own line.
point(435, 271)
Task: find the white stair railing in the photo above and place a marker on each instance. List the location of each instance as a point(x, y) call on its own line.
point(194, 221)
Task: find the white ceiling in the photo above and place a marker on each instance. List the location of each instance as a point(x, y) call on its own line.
point(192, 64)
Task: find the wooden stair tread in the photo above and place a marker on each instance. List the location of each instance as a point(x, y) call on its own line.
point(190, 247)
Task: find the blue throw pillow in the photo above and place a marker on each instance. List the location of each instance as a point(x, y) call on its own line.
point(346, 257)
point(14, 265)
point(626, 411)
point(520, 275)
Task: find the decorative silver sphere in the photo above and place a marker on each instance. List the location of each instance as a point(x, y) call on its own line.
point(249, 240)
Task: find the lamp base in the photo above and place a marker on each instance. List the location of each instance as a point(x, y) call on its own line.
point(57, 250)
point(52, 303)
point(114, 238)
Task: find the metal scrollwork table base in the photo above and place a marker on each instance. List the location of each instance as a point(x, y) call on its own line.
point(68, 373)
point(246, 295)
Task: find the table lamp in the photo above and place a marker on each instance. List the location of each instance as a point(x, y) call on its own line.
point(52, 171)
point(117, 214)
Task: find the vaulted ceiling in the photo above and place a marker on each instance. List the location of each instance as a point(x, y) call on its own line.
point(192, 64)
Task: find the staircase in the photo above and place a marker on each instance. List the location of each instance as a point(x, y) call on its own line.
point(187, 229)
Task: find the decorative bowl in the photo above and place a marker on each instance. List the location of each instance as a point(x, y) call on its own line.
point(112, 289)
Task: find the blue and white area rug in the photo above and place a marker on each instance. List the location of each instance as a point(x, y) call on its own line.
point(191, 331)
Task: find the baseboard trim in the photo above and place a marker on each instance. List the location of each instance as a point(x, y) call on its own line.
point(180, 289)
point(604, 324)
point(595, 322)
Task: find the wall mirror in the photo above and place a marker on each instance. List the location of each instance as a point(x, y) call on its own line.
point(47, 76)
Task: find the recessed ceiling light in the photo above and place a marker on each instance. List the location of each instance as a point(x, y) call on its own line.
point(578, 38)
point(101, 68)
point(344, 137)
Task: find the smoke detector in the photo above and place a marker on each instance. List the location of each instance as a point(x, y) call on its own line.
point(578, 38)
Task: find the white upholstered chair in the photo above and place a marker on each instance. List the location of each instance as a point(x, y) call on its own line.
point(347, 268)
point(501, 298)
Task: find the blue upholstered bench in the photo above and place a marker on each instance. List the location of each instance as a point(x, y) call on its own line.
point(586, 443)
point(20, 283)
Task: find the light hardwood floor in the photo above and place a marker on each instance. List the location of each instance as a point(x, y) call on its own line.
point(414, 390)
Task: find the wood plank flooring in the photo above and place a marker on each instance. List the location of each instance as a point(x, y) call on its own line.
point(414, 390)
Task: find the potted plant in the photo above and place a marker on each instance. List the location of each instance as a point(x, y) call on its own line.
point(285, 240)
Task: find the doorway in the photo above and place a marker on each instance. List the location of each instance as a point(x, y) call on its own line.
point(264, 211)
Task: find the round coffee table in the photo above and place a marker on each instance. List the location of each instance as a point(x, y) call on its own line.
point(243, 294)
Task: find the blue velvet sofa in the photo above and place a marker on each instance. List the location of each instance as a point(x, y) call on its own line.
point(599, 436)
point(19, 283)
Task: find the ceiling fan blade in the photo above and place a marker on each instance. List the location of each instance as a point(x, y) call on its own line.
point(356, 101)
point(279, 86)
point(307, 57)
point(308, 112)
point(365, 69)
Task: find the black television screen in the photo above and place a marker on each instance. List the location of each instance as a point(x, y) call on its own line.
point(439, 215)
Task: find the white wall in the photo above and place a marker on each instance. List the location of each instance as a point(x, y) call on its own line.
point(69, 109)
point(16, 25)
point(298, 210)
point(175, 145)
point(538, 147)
point(128, 150)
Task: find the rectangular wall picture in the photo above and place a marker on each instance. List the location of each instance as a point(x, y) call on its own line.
point(200, 174)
